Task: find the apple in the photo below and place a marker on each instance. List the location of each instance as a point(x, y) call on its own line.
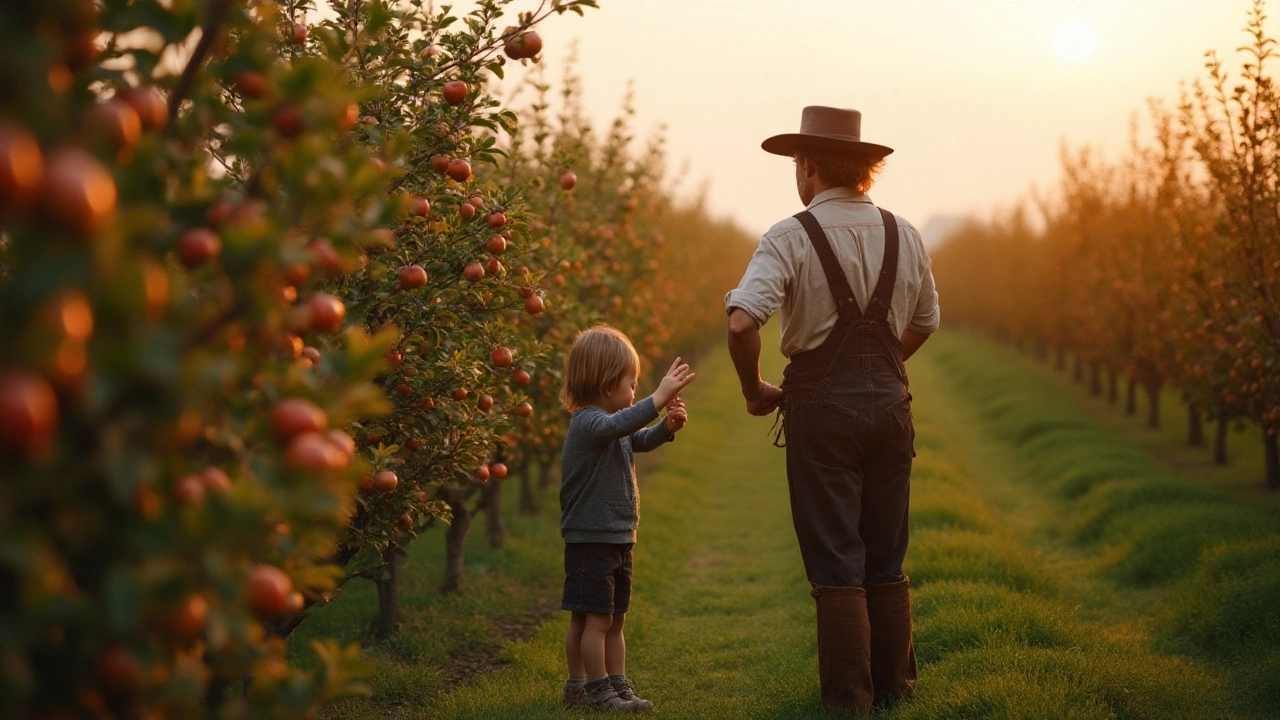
point(312, 451)
point(501, 356)
point(293, 416)
point(495, 268)
point(150, 106)
point(526, 291)
point(476, 201)
point(497, 220)
point(267, 590)
point(326, 257)
point(385, 480)
point(78, 191)
point(420, 206)
point(327, 312)
point(459, 169)
point(440, 163)
point(405, 521)
point(455, 91)
point(299, 35)
point(498, 470)
point(117, 121)
point(288, 120)
point(394, 357)
point(482, 473)
point(412, 276)
point(534, 304)
point(366, 486)
point(189, 490)
point(521, 377)
point(28, 414)
point(467, 211)
point(430, 52)
point(474, 271)
point(568, 181)
point(484, 403)
point(347, 118)
point(496, 245)
point(523, 45)
point(215, 480)
point(21, 166)
point(343, 442)
point(186, 620)
point(251, 85)
point(524, 409)
point(460, 394)
point(198, 246)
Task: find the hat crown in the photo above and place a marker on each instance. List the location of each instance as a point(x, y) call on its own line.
point(840, 123)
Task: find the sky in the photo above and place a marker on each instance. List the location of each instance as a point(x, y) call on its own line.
point(975, 96)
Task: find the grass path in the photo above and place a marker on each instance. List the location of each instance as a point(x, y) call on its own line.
point(1016, 616)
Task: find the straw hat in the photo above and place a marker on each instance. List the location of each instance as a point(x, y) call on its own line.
point(835, 130)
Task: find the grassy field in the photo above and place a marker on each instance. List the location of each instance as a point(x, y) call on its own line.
point(1059, 571)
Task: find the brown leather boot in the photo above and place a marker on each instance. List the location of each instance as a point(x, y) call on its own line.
point(844, 648)
point(893, 654)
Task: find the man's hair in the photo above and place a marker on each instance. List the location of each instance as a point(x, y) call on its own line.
point(851, 171)
point(599, 358)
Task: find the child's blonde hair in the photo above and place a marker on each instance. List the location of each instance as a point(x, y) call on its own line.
point(599, 358)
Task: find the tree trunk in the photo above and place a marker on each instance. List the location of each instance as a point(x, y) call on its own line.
point(544, 473)
point(495, 529)
point(1131, 398)
point(1113, 387)
point(384, 624)
point(1220, 439)
point(1153, 403)
point(455, 538)
point(528, 498)
point(1077, 370)
point(1095, 378)
point(1060, 359)
point(1195, 427)
point(1272, 449)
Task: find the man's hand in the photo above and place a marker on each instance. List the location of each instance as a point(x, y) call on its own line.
point(677, 415)
point(765, 400)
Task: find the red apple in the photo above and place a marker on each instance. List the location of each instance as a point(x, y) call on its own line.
point(78, 191)
point(250, 84)
point(420, 206)
point(412, 276)
point(568, 181)
point(497, 220)
point(496, 245)
point(455, 91)
point(299, 35)
point(267, 590)
point(501, 356)
point(474, 271)
point(198, 246)
point(28, 414)
point(327, 312)
point(524, 409)
point(440, 163)
point(467, 211)
point(521, 377)
point(21, 167)
point(150, 106)
point(484, 403)
point(385, 480)
point(293, 416)
point(289, 121)
point(459, 169)
point(534, 305)
point(498, 470)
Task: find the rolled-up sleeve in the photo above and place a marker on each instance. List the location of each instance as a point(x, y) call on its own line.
point(763, 286)
point(927, 316)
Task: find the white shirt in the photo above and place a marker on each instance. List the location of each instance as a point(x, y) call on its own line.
point(785, 272)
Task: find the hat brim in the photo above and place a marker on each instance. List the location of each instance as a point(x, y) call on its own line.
point(788, 143)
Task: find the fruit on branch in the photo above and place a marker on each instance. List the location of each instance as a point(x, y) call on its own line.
point(474, 271)
point(28, 414)
point(496, 244)
point(467, 211)
point(412, 276)
point(454, 92)
point(251, 85)
point(497, 220)
point(440, 163)
point(521, 377)
point(299, 33)
point(385, 480)
point(534, 305)
point(267, 590)
point(524, 409)
point(498, 470)
point(420, 206)
point(78, 191)
point(150, 105)
point(117, 122)
point(484, 403)
point(288, 120)
point(326, 312)
point(459, 170)
point(525, 45)
point(312, 451)
point(294, 416)
point(198, 246)
point(568, 181)
point(215, 479)
point(21, 167)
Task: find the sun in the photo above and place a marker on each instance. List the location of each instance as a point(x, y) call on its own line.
point(1074, 40)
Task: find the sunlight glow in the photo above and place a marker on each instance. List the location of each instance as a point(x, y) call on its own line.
point(1074, 40)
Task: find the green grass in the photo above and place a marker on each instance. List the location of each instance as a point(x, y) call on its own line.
point(1059, 571)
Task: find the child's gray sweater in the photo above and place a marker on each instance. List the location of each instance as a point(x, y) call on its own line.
point(599, 499)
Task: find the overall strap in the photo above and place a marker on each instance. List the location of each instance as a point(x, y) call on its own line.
point(882, 297)
point(846, 305)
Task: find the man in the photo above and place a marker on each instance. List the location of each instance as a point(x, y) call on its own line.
point(857, 297)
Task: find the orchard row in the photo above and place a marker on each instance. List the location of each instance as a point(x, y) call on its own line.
point(1162, 267)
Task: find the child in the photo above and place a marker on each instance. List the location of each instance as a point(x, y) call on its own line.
point(600, 505)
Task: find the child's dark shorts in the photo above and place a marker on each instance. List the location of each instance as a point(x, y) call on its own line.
point(597, 578)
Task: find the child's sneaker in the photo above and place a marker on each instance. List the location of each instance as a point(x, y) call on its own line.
point(604, 697)
point(574, 694)
point(622, 686)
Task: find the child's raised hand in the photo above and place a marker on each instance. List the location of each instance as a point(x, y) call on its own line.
point(677, 415)
point(675, 380)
